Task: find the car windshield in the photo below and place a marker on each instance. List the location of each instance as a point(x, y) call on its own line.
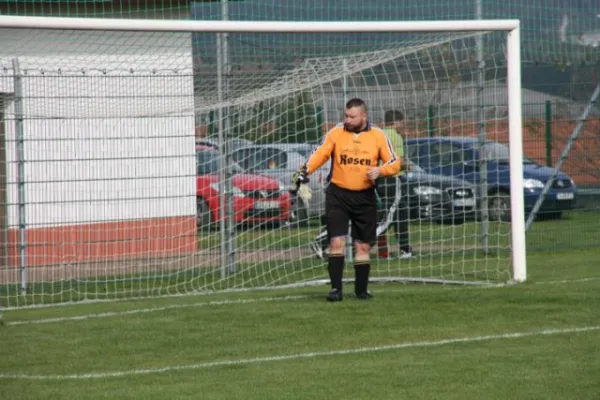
point(499, 153)
point(260, 159)
point(306, 153)
point(303, 149)
point(208, 163)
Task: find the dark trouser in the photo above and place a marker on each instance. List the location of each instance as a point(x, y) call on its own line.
point(388, 189)
point(359, 208)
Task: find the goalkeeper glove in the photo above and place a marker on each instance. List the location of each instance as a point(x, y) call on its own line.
point(301, 176)
point(304, 192)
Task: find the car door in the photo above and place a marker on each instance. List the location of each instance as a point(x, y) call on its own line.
point(451, 159)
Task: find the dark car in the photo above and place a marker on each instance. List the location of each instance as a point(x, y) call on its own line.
point(459, 157)
point(438, 198)
point(429, 197)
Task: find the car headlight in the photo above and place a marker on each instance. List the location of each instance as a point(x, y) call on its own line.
point(426, 190)
point(533, 184)
point(235, 191)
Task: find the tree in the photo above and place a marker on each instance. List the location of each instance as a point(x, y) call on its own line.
point(298, 120)
point(252, 123)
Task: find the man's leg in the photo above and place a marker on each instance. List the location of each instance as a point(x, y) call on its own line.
point(382, 242)
point(402, 220)
point(386, 194)
point(364, 233)
point(321, 242)
point(335, 267)
point(337, 229)
point(392, 199)
point(362, 270)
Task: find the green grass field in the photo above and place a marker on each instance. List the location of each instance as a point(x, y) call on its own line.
point(580, 228)
point(535, 340)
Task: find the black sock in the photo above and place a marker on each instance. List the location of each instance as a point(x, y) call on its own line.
point(336, 271)
point(361, 276)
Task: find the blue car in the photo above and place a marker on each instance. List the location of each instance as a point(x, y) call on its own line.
point(459, 157)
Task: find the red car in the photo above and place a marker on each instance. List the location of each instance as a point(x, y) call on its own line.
point(257, 199)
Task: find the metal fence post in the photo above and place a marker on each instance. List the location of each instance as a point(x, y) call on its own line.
point(319, 120)
point(18, 89)
point(430, 123)
point(548, 133)
point(481, 133)
point(211, 124)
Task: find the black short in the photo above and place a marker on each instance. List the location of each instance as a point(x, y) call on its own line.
point(359, 207)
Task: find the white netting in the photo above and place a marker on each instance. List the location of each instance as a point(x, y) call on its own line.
point(123, 173)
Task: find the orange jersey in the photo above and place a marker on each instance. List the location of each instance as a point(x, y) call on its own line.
point(353, 154)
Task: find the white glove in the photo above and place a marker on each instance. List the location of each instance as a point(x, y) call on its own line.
point(305, 192)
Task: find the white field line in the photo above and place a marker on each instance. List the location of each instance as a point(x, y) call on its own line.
point(117, 314)
point(560, 282)
point(148, 310)
point(298, 356)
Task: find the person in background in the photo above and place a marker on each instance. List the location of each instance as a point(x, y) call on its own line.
point(395, 205)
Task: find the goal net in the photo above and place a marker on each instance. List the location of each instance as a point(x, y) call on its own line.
point(157, 160)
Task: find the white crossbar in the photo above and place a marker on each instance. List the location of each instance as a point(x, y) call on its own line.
point(110, 24)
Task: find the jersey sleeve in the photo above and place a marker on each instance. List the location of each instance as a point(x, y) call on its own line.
point(396, 140)
point(391, 162)
point(322, 153)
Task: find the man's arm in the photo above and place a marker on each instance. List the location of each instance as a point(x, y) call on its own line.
point(322, 153)
point(391, 162)
point(396, 139)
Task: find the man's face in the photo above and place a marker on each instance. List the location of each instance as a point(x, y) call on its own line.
point(399, 125)
point(355, 119)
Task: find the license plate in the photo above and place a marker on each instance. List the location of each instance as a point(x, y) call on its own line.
point(565, 196)
point(266, 205)
point(464, 202)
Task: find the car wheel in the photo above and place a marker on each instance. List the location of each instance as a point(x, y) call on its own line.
point(203, 215)
point(298, 212)
point(499, 206)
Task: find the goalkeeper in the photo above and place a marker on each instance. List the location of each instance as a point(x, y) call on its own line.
point(394, 211)
point(355, 147)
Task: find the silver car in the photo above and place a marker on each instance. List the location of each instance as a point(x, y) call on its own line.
point(281, 161)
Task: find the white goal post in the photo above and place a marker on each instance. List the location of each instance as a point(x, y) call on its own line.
point(512, 59)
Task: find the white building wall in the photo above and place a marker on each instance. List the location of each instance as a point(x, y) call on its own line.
point(107, 137)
